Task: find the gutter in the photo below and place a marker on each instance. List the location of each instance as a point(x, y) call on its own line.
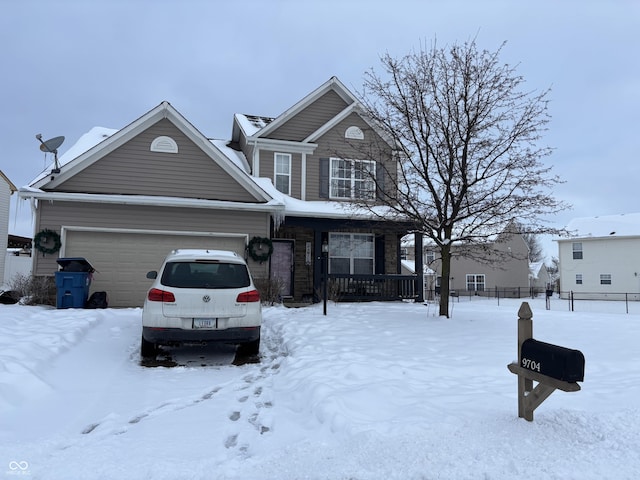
point(29, 193)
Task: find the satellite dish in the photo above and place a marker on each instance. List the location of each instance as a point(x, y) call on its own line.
point(51, 146)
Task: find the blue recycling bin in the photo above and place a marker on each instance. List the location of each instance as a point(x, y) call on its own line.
point(72, 282)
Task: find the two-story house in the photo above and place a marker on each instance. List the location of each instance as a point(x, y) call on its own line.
point(499, 267)
point(601, 257)
point(278, 191)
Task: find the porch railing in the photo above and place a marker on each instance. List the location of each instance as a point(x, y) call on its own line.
point(347, 287)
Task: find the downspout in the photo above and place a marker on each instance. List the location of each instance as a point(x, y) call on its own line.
point(303, 175)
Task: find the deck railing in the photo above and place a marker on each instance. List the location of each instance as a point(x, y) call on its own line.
point(347, 287)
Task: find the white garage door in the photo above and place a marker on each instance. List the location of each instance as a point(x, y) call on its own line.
point(122, 260)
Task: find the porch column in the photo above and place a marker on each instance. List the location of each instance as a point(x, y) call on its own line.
point(419, 266)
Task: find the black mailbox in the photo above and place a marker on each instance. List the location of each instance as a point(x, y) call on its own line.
point(553, 361)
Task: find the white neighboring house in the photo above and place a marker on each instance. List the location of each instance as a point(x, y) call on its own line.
point(539, 277)
point(601, 257)
point(6, 190)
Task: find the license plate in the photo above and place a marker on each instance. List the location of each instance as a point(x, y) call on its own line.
point(204, 323)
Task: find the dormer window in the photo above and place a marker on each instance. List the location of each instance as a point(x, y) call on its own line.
point(164, 144)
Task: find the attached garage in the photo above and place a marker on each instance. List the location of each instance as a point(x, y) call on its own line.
point(123, 258)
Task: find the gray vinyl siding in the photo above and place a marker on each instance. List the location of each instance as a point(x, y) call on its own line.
point(133, 169)
point(246, 148)
point(512, 272)
point(267, 169)
point(54, 215)
point(310, 119)
point(334, 144)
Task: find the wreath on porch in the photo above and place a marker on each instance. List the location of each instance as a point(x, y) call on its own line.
point(260, 249)
point(47, 241)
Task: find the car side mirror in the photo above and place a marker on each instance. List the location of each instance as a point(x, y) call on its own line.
point(152, 274)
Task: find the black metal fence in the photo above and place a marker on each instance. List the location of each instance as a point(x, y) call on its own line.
point(495, 292)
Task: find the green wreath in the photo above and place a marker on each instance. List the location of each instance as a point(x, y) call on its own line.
point(43, 240)
point(261, 243)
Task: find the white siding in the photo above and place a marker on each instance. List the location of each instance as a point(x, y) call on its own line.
point(5, 196)
point(617, 256)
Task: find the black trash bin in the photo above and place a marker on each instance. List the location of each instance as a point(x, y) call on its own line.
point(72, 282)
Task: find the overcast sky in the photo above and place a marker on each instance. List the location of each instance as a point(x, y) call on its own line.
point(70, 65)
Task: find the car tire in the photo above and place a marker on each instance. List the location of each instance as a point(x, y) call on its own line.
point(251, 349)
point(148, 349)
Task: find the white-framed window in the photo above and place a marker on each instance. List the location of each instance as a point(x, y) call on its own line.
point(605, 279)
point(577, 250)
point(430, 257)
point(351, 253)
point(352, 179)
point(282, 172)
point(475, 282)
point(578, 279)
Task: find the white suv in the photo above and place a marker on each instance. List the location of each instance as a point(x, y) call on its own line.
point(201, 296)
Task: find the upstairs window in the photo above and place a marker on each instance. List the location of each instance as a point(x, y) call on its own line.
point(577, 251)
point(282, 172)
point(430, 257)
point(352, 179)
point(605, 279)
point(578, 279)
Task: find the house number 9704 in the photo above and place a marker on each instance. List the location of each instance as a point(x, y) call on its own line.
point(531, 364)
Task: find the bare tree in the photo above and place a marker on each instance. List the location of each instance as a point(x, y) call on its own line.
point(467, 138)
point(553, 269)
point(536, 252)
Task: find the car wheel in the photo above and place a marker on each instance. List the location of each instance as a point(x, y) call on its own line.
point(251, 348)
point(148, 349)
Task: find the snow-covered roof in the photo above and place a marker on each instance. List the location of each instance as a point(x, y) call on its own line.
point(535, 268)
point(623, 225)
point(410, 265)
point(86, 142)
point(251, 124)
point(322, 209)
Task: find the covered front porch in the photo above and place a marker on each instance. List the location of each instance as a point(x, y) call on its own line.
point(357, 260)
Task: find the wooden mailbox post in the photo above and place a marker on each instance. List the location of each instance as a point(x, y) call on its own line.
point(553, 367)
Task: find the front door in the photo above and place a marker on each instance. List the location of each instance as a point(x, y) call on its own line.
point(282, 266)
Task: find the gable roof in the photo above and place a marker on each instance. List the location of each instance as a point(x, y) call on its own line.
point(333, 84)
point(609, 226)
point(12, 187)
point(258, 127)
point(74, 161)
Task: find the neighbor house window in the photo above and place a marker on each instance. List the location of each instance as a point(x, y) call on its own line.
point(577, 251)
point(605, 279)
point(430, 257)
point(352, 179)
point(578, 279)
point(475, 283)
point(351, 253)
point(282, 175)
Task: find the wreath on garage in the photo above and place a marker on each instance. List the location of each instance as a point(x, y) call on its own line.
point(260, 249)
point(47, 241)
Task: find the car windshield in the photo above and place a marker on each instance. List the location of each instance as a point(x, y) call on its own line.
point(198, 274)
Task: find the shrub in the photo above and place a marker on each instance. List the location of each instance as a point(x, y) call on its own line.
point(270, 290)
point(34, 290)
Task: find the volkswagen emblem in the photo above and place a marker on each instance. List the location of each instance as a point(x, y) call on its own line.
point(206, 299)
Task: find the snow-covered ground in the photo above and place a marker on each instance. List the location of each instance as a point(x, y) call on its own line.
point(370, 391)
